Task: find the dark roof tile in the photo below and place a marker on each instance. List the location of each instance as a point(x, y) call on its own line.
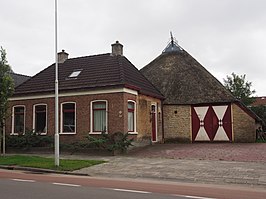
point(103, 70)
point(18, 78)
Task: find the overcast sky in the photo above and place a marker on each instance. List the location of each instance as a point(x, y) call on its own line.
point(225, 36)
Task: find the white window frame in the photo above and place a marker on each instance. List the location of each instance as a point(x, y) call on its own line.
point(34, 117)
point(135, 117)
point(91, 117)
point(13, 119)
point(61, 119)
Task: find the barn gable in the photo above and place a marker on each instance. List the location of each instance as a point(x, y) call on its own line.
point(196, 98)
point(183, 80)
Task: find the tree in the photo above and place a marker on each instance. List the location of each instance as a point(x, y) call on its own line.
point(261, 112)
point(240, 88)
point(6, 88)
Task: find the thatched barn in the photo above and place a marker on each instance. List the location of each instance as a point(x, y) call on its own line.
point(197, 106)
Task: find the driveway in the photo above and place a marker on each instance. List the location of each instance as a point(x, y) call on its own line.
point(240, 152)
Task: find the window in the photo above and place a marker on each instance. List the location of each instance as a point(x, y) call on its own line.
point(99, 116)
point(131, 116)
point(40, 118)
point(18, 120)
point(75, 73)
point(68, 120)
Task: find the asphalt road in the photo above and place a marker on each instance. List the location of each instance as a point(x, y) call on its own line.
point(25, 185)
point(11, 189)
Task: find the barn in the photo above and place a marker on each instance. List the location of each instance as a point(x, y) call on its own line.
point(197, 107)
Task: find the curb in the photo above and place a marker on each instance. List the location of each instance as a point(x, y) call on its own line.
point(39, 170)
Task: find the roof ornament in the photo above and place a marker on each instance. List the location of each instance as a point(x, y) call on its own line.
point(172, 46)
point(172, 38)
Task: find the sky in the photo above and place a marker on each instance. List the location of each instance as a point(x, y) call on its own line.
point(225, 36)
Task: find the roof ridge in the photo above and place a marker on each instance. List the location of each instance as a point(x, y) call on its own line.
point(85, 56)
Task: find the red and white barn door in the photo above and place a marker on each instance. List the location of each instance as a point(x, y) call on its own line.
point(211, 123)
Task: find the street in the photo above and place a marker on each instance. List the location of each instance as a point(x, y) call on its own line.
point(11, 189)
point(22, 185)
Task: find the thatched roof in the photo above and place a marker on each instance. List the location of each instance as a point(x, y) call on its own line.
point(183, 80)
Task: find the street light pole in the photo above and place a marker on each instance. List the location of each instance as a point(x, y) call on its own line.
point(56, 136)
point(4, 138)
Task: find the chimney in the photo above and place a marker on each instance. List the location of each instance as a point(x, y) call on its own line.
point(117, 49)
point(62, 56)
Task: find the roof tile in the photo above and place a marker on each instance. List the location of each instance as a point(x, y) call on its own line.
point(102, 70)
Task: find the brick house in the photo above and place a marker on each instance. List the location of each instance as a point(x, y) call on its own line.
point(197, 106)
point(259, 101)
point(97, 93)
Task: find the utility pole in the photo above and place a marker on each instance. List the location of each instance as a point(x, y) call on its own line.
point(56, 136)
point(4, 138)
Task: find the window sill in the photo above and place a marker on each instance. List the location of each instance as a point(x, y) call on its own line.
point(40, 133)
point(67, 133)
point(133, 133)
point(97, 133)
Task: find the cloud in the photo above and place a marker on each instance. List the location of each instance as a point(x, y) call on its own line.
point(225, 36)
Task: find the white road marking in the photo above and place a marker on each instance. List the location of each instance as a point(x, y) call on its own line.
point(22, 180)
point(64, 184)
point(193, 197)
point(132, 191)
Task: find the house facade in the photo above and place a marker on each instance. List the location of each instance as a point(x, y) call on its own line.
point(197, 106)
point(99, 93)
point(259, 101)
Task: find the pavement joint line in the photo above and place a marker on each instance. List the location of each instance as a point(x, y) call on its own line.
point(22, 180)
point(132, 191)
point(65, 184)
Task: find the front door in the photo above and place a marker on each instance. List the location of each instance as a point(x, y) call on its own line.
point(153, 123)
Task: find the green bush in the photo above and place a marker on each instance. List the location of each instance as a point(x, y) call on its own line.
point(74, 146)
point(111, 142)
point(261, 141)
point(28, 140)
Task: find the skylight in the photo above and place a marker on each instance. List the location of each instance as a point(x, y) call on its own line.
point(75, 73)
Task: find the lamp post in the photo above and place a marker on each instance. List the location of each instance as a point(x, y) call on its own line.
point(56, 136)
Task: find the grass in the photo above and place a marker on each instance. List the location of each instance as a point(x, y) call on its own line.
point(47, 163)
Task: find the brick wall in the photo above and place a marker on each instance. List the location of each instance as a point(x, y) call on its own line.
point(144, 127)
point(116, 121)
point(177, 122)
point(117, 114)
point(244, 127)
